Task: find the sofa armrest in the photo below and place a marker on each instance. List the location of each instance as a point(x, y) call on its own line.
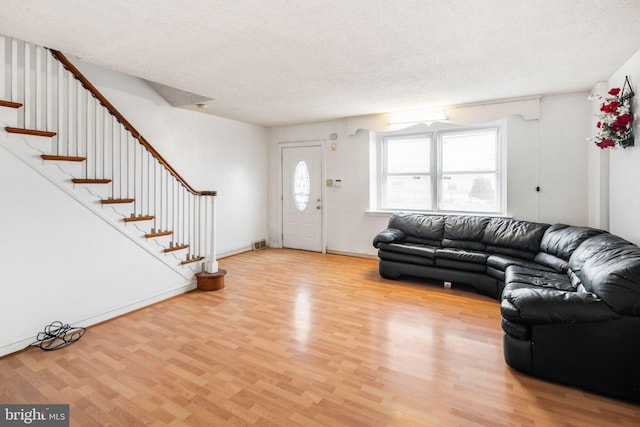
point(389, 235)
point(547, 305)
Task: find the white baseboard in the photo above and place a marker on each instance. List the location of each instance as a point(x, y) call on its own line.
point(353, 254)
point(234, 252)
point(127, 308)
point(107, 315)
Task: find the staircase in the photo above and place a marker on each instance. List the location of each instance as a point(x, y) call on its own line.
point(64, 118)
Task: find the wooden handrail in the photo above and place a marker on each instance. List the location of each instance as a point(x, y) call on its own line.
point(91, 88)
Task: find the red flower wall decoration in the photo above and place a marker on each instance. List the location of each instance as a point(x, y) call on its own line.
point(615, 124)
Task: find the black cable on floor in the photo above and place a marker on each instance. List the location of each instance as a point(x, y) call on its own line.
point(56, 336)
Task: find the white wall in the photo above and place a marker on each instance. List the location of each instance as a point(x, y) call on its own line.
point(598, 170)
point(522, 168)
point(349, 229)
point(624, 167)
point(564, 156)
point(550, 152)
point(61, 261)
point(209, 152)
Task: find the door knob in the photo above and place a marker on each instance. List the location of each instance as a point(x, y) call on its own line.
point(318, 207)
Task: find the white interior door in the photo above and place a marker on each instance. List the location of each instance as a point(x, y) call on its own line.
point(302, 198)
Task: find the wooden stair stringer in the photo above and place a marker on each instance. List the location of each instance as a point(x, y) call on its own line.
point(60, 178)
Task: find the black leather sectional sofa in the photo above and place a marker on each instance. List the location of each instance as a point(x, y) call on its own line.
point(569, 296)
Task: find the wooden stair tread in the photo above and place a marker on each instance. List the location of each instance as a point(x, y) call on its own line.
point(90, 181)
point(175, 248)
point(115, 201)
point(33, 132)
point(139, 218)
point(10, 104)
point(188, 261)
point(63, 158)
point(158, 234)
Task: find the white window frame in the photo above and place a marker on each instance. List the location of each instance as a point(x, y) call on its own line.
point(436, 132)
point(383, 148)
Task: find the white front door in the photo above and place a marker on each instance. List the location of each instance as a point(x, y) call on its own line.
point(302, 198)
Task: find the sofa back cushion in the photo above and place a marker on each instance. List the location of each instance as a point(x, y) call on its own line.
point(464, 232)
point(513, 237)
point(559, 242)
point(614, 275)
point(419, 228)
point(588, 249)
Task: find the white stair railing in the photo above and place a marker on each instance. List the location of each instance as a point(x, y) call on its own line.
point(56, 97)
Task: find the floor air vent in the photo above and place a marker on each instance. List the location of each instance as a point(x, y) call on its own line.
point(259, 244)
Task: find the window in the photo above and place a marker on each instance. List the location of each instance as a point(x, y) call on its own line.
point(453, 170)
point(406, 177)
point(301, 186)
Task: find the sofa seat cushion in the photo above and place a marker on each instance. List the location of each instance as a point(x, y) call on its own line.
point(558, 264)
point(421, 241)
point(497, 265)
point(544, 305)
point(462, 255)
point(463, 244)
point(410, 249)
point(510, 252)
point(460, 265)
point(405, 258)
point(501, 262)
point(462, 259)
point(518, 277)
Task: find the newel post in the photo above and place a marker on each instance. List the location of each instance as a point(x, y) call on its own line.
point(212, 278)
point(212, 265)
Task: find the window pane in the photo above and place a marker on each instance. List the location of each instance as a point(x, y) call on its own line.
point(301, 186)
point(407, 192)
point(463, 168)
point(469, 193)
point(408, 155)
point(469, 152)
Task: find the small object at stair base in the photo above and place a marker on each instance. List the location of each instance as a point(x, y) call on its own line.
point(211, 281)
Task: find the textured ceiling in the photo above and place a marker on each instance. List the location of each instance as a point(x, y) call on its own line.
point(275, 62)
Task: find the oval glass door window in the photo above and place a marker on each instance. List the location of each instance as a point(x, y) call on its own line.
point(301, 186)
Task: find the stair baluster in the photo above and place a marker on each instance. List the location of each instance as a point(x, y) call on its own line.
point(57, 101)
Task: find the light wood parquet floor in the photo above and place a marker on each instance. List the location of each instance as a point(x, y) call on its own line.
point(299, 338)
